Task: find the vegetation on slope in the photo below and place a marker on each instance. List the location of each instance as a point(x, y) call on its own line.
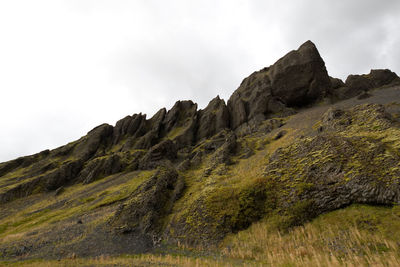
point(358, 235)
point(184, 180)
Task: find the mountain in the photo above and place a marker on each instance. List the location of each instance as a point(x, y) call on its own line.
point(290, 144)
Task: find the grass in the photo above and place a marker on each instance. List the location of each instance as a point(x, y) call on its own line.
point(134, 260)
point(122, 191)
point(231, 197)
point(77, 200)
point(356, 236)
point(175, 132)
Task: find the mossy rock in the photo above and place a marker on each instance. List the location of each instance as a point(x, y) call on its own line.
point(149, 203)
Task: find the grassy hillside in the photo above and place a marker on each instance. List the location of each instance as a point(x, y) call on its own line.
point(296, 169)
point(233, 210)
point(359, 235)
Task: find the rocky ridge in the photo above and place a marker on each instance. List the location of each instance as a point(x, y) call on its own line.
point(325, 170)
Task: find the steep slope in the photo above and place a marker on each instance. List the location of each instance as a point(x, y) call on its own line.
point(289, 145)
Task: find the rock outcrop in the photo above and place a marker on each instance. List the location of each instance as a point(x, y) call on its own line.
point(213, 119)
point(348, 156)
point(300, 77)
point(297, 79)
point(143, 211)
point(162, 152)
point(358, 84)
point(347, 162)
point(180, 123)
point(101, 167)
point(129, 126)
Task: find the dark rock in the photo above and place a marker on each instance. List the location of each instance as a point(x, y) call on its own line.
point(297, 79)
point(224, 153)
point(300, 77)
point(165, 150)
point(180, 123)
point(333, 169)
point(101, 167)
point(59, 191)
point(356, 84)
point(152, 136)
point(278, 108)
point(64, 175)
point(95, 141)
point(212, 144)
point(63, 150)
point(79, 221)
point(280, 134)
point(179, 114)
point(22, 162)
point(381, 77)
point(129, 126)
point(214, 118)
point(187, 136)
point(21, 190)
point(237, 111)
point(150, 202)
point(336, 83)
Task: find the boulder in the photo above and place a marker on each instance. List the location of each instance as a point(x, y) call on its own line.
point(297, 79)
point(300, 77)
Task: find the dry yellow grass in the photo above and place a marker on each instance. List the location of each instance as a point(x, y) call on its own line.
point(139, 260)
point(330, 241)
point(359, 235)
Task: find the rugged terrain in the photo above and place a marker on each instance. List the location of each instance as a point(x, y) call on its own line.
point(290, 144)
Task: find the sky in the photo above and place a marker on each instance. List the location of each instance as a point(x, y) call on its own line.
point(68, 66)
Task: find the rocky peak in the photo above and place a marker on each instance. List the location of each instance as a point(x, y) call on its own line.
point(300, 77)
point(213, 118)
point(128, 126)
point(179, 113)
point(359, 84)
point(297, 79)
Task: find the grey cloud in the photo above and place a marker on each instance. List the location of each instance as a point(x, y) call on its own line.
point(349, 34)
point(124, 57)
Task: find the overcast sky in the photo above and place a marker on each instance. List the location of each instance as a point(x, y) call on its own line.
point(68, 66)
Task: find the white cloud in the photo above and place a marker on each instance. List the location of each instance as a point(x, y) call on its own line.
point(67, 66)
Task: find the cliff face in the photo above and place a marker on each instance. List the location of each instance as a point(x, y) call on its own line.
point(196, 175)
point(297, 79)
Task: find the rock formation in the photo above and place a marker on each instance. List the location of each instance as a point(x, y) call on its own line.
point(198, 189)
